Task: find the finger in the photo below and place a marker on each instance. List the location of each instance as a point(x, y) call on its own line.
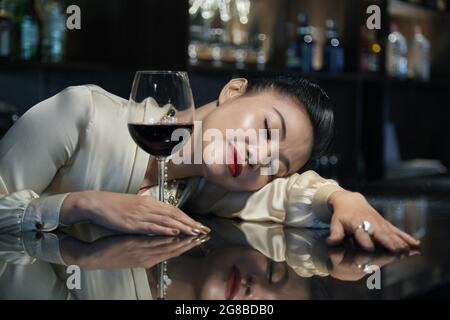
point(153, 242)
point(337, 233)
point(179, 215)
point(152, 228)
point(166, 249)
point(176, 246)
point(384, 239)
point(183, 217)
point(389, 240)
point(406, 237)
point(181, 250)
point(170, 222)
point(166, 209)
point(364, 240)
point(188, 245)
point(402, 245)
point(381, 261)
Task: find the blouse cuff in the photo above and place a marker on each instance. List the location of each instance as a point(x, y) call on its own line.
point(42, 214)
point(320, 202)
point(45, 247)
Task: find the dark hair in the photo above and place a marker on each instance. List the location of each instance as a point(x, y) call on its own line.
point(315, 101)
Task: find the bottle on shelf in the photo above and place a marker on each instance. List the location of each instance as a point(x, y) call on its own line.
point(430, 4)
point(292, 58)
point(28, 31)
point(396, 53)
point(370, 50)
point(420, 55)
point(54, 32)
point(333, 52)
point(442, 5)
point(305, 43)
point(6, 30)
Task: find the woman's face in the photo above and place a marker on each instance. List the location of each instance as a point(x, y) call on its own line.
point(266, 110)
point(241, 273)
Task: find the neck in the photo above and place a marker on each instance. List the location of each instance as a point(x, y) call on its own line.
point(188, 276)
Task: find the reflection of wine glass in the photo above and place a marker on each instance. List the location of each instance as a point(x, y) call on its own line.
point(161, 108)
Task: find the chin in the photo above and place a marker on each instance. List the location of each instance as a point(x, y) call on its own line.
point(221, 176)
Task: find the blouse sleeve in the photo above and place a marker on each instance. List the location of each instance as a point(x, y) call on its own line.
point(40, 143)
point(301, 249)
point(300, 200)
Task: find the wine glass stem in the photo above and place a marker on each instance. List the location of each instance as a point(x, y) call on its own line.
point(161, 180)
point(161, 177)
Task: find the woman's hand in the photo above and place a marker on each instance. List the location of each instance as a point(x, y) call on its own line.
point(128, 213)
point(125, 251)
point(350, 265)
point(350, 209)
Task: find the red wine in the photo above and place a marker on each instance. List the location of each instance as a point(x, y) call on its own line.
point(156, 139)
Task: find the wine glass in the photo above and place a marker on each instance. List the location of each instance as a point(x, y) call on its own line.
point(161, 111)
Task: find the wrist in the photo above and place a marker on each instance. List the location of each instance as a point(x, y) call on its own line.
point(77, 206)
point(333, 198)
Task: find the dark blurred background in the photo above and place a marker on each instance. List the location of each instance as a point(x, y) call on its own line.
point(389, 86)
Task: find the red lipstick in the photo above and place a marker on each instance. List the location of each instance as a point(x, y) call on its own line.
point(233, 282)
point(233, 165)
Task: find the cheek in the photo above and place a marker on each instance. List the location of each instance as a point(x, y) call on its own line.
point(233, 117)
point(253, 181)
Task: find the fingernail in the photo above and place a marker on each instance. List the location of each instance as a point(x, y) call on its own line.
point(196, 232)
point(208, 230)
point(202, 239)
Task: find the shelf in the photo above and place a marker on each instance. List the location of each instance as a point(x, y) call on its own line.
point(403, 9)
point(64, 66)
point(229, 70)
point(249, 70)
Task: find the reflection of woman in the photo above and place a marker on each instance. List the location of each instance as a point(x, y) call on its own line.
point(242, 261)
point(34, 266)
point(264, 261)
point(78, 141)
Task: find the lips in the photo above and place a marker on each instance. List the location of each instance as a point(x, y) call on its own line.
point(233, 165)
point(233, 282)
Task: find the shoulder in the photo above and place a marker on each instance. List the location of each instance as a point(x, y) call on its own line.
point(88, 97)
point(74, 104)
point(98, 94)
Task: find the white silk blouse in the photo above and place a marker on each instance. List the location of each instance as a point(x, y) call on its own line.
point(78, 140)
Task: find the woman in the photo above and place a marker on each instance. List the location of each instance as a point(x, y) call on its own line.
point(71, 158)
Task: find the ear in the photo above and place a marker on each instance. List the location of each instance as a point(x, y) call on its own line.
point(233, 89)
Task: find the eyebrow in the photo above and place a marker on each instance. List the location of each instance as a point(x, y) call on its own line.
point(283, 124)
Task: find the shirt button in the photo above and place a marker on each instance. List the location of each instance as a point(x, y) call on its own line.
point(39, 226)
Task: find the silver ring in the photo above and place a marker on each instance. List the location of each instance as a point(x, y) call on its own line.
point(367, 227)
